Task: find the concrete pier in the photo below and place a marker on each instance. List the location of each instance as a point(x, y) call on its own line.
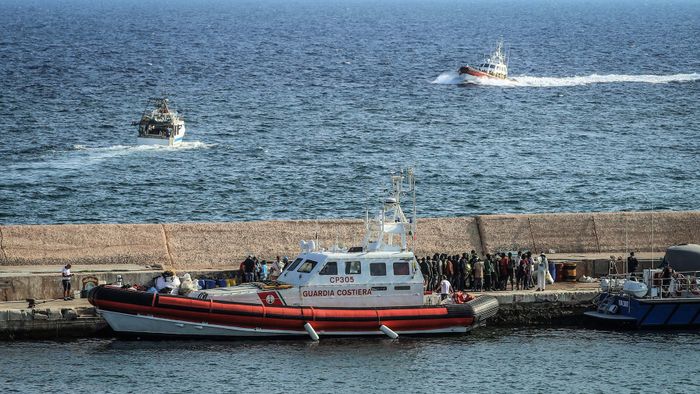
point(561, 305)
point(49, 319)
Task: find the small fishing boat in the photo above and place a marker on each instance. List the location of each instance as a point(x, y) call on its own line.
point(660, 298)
point(494, 66)
point(159, 125)
point(373, 289)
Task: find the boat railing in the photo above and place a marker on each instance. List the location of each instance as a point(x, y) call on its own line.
point(661, 284)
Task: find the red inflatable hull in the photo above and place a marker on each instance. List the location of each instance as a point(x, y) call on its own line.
point(413, 319)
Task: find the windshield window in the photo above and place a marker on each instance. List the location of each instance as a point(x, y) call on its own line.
point(307, 266)
point(295, 264)
point(331, 268)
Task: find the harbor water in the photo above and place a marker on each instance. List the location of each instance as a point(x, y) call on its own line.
point(298, 110)
point(486, 361)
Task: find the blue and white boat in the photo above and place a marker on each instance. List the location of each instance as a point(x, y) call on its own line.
point(159, 125)
point(660, 298)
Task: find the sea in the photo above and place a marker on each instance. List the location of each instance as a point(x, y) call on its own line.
point(485, 361)
point(300, 109)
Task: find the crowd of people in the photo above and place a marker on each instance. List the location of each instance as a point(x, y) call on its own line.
point(489, 272)
point(254, 270)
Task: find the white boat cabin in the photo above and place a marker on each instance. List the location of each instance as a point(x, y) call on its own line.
point(356, 279)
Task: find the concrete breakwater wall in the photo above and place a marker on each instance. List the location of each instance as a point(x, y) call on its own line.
point(211, 245)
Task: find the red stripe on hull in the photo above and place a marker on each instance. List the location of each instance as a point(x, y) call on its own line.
point(287, 318)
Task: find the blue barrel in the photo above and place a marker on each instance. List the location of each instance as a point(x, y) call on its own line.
point(553, 271)
point(202, 284)
point(221, 282)
point(210, 283)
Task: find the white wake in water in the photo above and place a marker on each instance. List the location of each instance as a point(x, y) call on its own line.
point(451, 78)
point(81, 156)
point(125, 149)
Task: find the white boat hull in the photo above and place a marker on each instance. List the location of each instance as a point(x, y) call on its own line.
point(172, 141)
point(150, 325)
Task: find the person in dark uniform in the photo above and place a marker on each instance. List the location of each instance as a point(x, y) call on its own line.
point(632, 263)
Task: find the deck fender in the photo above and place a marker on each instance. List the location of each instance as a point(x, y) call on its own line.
point(388, 331)
point(310, 330)
point(482, 308)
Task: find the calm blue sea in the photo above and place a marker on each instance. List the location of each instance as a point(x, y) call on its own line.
point(485, 361)
point(299, 109)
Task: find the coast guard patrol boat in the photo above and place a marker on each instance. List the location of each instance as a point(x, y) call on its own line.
point(159, 125)
point(494, 66)
point(372, 289)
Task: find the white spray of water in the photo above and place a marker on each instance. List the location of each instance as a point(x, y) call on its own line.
point(449, 78)
point(82, 156)
point(453, 78)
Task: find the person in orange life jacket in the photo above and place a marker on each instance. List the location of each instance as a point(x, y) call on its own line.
point(445, 288)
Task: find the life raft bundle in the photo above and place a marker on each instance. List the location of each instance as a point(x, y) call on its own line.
point(137, 312)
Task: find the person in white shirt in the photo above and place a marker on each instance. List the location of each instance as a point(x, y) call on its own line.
point(445, 288)
point(65, 281)
point(276, 269)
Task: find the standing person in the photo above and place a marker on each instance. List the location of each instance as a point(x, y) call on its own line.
point(445, 288)
point(65, 281)
point(488, 269)
point(275, 269)
point(459, 272)
point(632, 263)
point(449, 270)
point(503, 276)
point(541, 272)
point(249, 268)
point(530, 270)
point(264, 270)
point(425, 270)
point(511, 271)
point(437, 271)
point(479, 275)
point(495, 272)
point(258, 269)
point(521, 272)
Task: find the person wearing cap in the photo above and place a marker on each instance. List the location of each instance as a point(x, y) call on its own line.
point(65, 281)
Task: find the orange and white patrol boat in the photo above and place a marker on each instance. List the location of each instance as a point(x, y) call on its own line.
point(373, 289)
point(494, 66)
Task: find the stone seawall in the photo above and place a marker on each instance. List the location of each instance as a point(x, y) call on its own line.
point(211, 245)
